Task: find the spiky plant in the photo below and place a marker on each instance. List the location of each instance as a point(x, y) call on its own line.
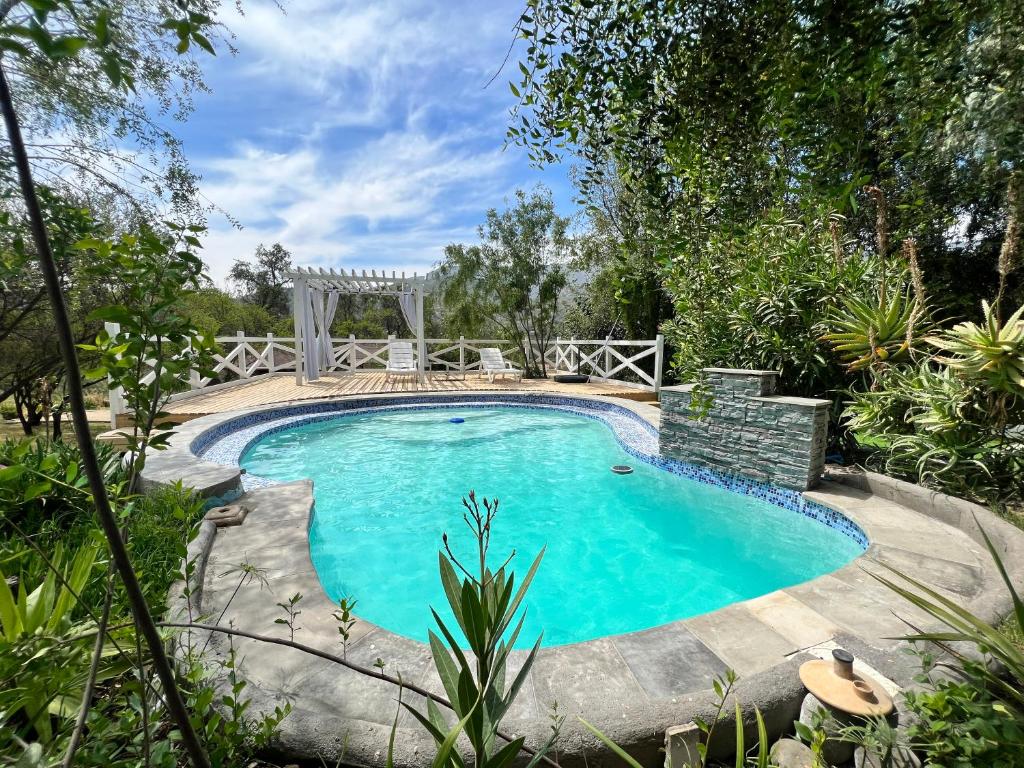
point(868, 333)
point(991, 352)
point(485, 603)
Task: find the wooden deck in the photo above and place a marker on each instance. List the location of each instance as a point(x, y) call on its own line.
point(281, 388)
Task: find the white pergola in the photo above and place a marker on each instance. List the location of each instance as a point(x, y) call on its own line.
point(315, 299)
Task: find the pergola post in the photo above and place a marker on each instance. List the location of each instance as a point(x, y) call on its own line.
point(421, 345)
point(299, 303)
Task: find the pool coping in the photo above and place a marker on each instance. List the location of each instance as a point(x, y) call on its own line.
point(633, 686)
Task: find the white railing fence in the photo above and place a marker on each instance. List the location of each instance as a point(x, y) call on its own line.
point(240, 358)
point(611, 359)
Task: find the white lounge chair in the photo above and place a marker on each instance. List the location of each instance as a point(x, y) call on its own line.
point(401, 361)
point(492, 363)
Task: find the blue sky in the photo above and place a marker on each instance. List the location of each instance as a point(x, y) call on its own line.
point(359, 134)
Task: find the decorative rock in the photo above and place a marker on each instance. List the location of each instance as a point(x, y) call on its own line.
point(790, 753)
point(681, 746)
point(223, 517)
point(834, 751)
point(901, 758)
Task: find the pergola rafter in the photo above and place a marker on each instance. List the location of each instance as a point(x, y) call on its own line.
point(311, 286)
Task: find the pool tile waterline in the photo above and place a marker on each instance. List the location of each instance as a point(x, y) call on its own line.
point(227, 442)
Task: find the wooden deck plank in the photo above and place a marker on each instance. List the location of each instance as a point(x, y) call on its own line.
point(281, 388)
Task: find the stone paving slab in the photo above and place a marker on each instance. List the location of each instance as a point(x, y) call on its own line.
point(740, 639)
point(669, 660)
point(571, 674)
point(797, 622)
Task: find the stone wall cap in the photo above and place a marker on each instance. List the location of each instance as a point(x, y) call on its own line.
point(806, 402)
point(679, 388)
point(741, 372)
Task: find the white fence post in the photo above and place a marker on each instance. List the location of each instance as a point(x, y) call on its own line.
point(659, 361)
point(243, 365)
point(116, 395)
point(352, 353)
point(270, 353)
point(607, 356)
point(462, 355)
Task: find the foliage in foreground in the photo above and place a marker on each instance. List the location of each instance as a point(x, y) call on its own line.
point(975, 716)
point(53, 551)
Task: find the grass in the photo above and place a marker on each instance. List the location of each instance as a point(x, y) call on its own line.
point(13, 430)
point(1011, 630)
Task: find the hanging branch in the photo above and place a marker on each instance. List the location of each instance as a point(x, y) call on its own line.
point(378, 674)
point(62, 327)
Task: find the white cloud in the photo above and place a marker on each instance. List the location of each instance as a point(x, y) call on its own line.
point(396, 195)
point(389, 148)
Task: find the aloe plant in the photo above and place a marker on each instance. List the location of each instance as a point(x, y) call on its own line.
point(870, 333)
point(992, 352)
point(484, 604)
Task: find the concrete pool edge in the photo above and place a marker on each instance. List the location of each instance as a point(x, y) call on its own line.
point(628, 684)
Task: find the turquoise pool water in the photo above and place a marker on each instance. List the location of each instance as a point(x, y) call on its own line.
point(624, 552)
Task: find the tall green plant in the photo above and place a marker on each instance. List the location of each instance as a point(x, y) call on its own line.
point(484, 603)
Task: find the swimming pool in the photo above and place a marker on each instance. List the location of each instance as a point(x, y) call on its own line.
point(623, 552)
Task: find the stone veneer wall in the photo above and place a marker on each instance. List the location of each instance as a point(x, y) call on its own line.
point(749, 429)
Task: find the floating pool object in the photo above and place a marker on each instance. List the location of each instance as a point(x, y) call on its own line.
point(622, 469)
point(456, 420)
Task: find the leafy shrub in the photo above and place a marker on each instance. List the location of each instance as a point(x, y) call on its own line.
point(762, 298)
point(48, 631)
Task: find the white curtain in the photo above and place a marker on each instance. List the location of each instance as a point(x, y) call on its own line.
point(407, 301)
point(323, 338)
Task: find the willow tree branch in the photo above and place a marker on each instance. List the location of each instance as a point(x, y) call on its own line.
point(90, 464)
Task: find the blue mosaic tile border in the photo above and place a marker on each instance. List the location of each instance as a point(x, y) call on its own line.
point(227, 442)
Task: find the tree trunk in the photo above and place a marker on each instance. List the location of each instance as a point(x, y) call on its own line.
point(27, 408)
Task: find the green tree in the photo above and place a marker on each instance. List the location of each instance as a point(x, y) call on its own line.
point(29, 351)
point(712, 111)
point(512, 281)
point(623, 296)
point(77, 127)
point(264, 281)
point(217, 313)
point(23, 42)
